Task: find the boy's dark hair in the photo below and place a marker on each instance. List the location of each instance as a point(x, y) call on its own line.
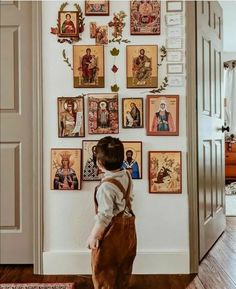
point(110, 153)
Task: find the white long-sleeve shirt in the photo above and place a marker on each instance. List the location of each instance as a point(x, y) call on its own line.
point(110, 198)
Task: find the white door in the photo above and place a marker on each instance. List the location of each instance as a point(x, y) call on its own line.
point(16, 216)
point(210, 121)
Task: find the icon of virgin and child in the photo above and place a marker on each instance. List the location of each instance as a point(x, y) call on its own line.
point(89, 67)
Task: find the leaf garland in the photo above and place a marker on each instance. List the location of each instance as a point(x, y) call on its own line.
point(161, 87)
point(80, 18)
point(163, 54)
point(114, 52)
point(66, 59)
point(63, 5)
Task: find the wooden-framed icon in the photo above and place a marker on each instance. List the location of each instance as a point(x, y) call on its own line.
point(103, 113)
point(162, 115)
point(66, 169)
point(70, 116)
point(165, 172)
point(91, 172)
point(174, 6)
point(145, 17)
point(133, 158)
point(92, 29)
point(96, 7)
point(132, 112)
point(88, 64)
point(101, 36)
point(141, 66)
point(68, 24)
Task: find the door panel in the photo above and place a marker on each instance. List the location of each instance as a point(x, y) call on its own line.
point(210, 121)
point(16, 133)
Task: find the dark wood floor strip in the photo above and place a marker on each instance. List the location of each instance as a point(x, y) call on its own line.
point(195, 284)
point(212, 276)
point(225, 258)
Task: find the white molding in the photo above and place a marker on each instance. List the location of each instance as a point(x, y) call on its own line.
point(146, 262)
point(37, 136)
point(192, 158)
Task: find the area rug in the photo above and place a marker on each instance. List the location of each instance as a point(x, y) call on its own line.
point(230, 189)
point(37, 286)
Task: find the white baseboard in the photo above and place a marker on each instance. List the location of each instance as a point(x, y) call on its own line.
point(77, 262)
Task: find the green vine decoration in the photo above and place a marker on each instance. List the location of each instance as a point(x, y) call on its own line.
point(163, 54)
point(80, 18)
point(66, 59)
point(63, 5)
point(161, 87)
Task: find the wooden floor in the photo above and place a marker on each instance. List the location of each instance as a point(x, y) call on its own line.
point(217, 271)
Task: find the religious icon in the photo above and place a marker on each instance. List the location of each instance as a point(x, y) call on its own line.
point(103, 113)
point(91, 172)
point(165, 172)
point(68, 23)
point(88, 64)
point(133, 158)
point(96, 7)
point(71, 116)
point(141, 66)
point(145, 17)
point(92, 29)
point(163, 115)
point(65, 169)
point(132, 112)
point(101, 34)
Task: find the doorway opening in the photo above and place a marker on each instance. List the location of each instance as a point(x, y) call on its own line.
point(230, 135)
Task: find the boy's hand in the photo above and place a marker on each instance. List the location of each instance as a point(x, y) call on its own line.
point(92, 243)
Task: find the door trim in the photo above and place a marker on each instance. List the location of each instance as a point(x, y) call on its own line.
point(192, 155)
point(37, 137)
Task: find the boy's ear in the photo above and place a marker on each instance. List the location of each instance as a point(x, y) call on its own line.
point(99, 164)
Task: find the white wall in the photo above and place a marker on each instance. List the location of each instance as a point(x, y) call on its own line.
point(162, 220)
point(229, 25)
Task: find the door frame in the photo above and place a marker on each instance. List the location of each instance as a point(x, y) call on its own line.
point(192, 155)
point(37, 137)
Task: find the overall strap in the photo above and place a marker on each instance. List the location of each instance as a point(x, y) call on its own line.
point(95, 197)
point(126, 193)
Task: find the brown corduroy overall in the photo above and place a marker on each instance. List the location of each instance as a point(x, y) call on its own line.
point(113, 260)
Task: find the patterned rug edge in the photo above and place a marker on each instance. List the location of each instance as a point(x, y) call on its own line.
point(37, 285)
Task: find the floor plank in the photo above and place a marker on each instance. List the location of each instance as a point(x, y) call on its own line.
point(230, 224)
point(195, 284)
point(212, 276)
